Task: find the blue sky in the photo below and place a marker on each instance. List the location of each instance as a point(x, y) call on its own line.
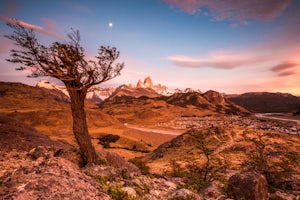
point(233, 47)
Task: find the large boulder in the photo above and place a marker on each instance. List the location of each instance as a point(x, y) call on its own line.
point(248, 185)
point(39, 175)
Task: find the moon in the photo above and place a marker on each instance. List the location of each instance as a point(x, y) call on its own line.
point(110, 24)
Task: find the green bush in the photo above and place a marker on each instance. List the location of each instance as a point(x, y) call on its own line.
point(105, 140)
point(118, 194)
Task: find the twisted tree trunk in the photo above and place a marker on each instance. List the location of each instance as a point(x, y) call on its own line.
point(80, 129)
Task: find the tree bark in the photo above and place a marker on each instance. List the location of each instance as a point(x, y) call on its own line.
point(80, 129)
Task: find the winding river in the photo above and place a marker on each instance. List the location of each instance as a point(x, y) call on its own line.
point(269, 116)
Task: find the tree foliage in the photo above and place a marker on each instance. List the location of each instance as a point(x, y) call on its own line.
point(63, 60)
point(66, 61)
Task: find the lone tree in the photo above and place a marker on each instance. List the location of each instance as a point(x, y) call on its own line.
point(66, 62)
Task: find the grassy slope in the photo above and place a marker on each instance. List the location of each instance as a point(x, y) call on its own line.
point(50, 113)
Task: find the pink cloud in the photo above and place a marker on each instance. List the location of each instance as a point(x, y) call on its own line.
point(237, 10)
point(220, 60)
point(288, 73)
point(47, 30)
point(184, 61)
point(284, 66)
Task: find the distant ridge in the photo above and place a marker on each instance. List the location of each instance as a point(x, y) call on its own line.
point(265, 102)
point(98, 94)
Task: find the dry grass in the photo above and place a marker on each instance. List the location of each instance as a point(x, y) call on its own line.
point(229, 150)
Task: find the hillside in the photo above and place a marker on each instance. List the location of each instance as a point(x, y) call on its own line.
point(150, 111)
point(265, 102)
point(48, 111)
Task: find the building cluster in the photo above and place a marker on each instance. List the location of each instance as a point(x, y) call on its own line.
point(234, 120)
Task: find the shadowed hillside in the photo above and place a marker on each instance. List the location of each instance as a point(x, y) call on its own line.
point(264, 102)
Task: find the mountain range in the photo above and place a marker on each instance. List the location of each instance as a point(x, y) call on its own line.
point(262, 102)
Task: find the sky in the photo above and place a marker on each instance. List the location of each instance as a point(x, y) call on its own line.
point(231, 46)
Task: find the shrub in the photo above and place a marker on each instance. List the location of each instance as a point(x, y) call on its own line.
point(141, 165)
point(105, 140)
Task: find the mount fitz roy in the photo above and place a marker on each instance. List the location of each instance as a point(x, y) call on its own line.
point(97, 94)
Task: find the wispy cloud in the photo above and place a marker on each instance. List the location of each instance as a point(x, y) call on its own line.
point(237, 10)
point(286, 73)
point(48, 29)
point(285, 68)
point(221, 63)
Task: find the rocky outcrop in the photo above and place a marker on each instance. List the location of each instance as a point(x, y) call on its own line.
point(248, 185)
point(40, 175)
point(148, 82)
point(116, 167)
point(156, 188)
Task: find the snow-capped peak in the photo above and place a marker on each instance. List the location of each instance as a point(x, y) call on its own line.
point(160, 89)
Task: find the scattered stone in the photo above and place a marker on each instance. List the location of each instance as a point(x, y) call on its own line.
point(103, 171)
point(130, 191)
point(248, 185)
point(185, 194)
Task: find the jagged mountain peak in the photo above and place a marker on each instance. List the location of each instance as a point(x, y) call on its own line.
point(160, 89)
point(148, 82)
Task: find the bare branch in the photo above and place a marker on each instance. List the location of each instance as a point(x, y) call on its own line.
point(65, 61)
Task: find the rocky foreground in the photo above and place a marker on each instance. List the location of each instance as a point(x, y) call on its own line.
point(36, 167)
